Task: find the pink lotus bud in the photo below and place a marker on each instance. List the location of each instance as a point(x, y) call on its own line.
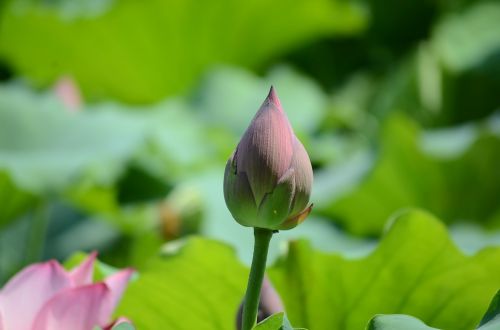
point(267, 181)
point(45, 296)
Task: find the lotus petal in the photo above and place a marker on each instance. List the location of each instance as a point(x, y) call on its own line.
point(116, 285)
point(74, 308)
point(82, 274)
point(26, 293)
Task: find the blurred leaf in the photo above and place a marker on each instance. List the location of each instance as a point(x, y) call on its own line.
point(230, 97)
point(46, 150)
point(146, 43)
point(397, 25)
point(463, 40)
point(14, 201)
point(416, 269)
point(467, 48)
point(453, 77)
point(14, 242)
point(139, 186)
point(490, 321)
point(402, 177)
point(176, 143)
point(456, 186)
point(277, 321)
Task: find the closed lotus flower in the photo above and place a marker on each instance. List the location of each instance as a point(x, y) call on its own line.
point(44, 296)
point(267, 180)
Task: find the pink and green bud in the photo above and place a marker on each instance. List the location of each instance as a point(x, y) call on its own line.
point(267, 181)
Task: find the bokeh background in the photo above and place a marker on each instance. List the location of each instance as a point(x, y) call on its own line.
point(117, 118)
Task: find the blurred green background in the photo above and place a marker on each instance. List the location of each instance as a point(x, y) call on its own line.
point(117, 118)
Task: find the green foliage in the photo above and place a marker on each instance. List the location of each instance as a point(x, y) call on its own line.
point(141, 52)
point(84, 156)
point(414, 261)
point(199, 287)
point(490, 321)
point(242, 94)
point(463, 64)
point(462, 185)
point(47, 158)
point(15, 201)
point(450, 77)
point(374, 90)
point(277, 321)
point(465, 40)
point(397, 322)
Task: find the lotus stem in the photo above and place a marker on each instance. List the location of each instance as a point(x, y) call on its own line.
point(257, 270)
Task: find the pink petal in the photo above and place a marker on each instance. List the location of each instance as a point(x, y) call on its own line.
point(303, 178)
point(1, 323)
point(25, 294)
point(82, 274)
point(116, 284)
point(74, 308)
point(266, 149)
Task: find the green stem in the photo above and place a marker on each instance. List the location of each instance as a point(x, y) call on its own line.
point(252, 296)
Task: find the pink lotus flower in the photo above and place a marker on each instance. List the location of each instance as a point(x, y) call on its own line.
point(45, 296)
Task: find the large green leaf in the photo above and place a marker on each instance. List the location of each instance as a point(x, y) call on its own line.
point(416, 270)
point(142, 51)
point(457, 181)
point(200, 287)
point(490, 321)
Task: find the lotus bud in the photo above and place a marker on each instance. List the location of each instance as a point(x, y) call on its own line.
point(268, 178)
